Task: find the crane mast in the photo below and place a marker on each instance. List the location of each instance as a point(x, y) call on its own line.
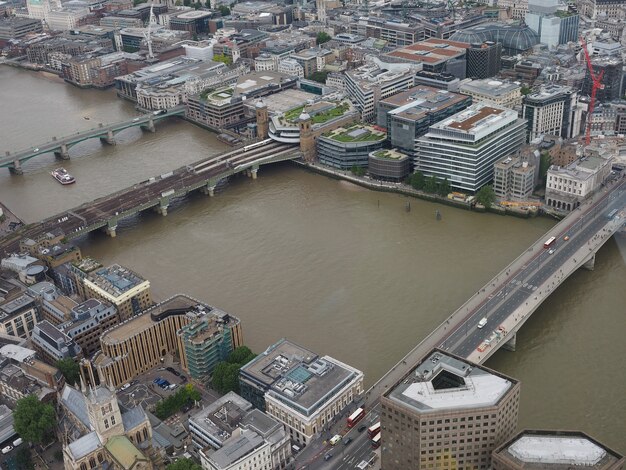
point(596, 83)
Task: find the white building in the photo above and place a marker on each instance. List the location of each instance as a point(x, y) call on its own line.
point(201, 50)
point(299, 388)
point(567, 186)
point(65, 20)
point(552, 110)
point(291, 67)
point(231, 434)
point(38, 9)
point(369, 83)
point(501, 93)
point(265, 63)
point(514, 179)
point(464, 147)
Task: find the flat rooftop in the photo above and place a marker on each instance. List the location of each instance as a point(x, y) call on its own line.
point(298, 377)
point(285, 100)
point(416, 102)
point(444, 382)
point(116, 279)
point(87, 265)
point(478, 120)
point(557, 450)
point(431, 51)
point(356, 133)
point(490, 87)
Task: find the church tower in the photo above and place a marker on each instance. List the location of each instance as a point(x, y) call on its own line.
point(104, 413)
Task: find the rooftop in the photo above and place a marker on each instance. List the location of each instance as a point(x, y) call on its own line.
point(583, 168)
point(320, 112)
point(490, 87)
point(389, 155)
point(115, 280)
point(446, 382)
point(557, 450)
point(297, 377)
point(87, 265)
point(416, 102)
point(474, 123)
point(356, 133)
point(235, 448)
point(431, 51)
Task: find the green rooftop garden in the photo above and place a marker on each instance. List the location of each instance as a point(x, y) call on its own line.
point(319, 117)
point(217, 95)
point(294, 113)
point(356, 134)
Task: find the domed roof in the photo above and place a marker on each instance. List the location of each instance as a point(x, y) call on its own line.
point(514, 38)
point(260, 104)
point(304, 116)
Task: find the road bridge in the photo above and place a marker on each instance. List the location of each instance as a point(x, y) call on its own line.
point(60, 146)
point(506, 302)
point(156, 193)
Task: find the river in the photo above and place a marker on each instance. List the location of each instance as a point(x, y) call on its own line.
point(345, 271)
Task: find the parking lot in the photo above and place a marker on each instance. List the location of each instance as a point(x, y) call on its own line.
point(143, 391)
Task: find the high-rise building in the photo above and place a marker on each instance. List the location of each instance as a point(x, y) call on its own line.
point(299, 388)
point(552, 24)
point(555, 450)
point(447, 413)
point(552, 110)
point(611, 80)
point(464, 147)
point(484, 60)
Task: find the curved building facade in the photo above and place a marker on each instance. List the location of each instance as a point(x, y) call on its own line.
point(514, 38)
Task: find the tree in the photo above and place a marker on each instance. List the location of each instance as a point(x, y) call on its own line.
point(430, 186)
point(525, 90)
point(319, 77)
point(185, 395)
point(241, 355)
point(70, 370)
point(357, 170)
point(183, 464)
point(323, 37)
point(197, 5)
point(486, 196)
point(224, 10)
point(226, 377)
point(444, 187)
point(222, 58)
point(33, 420)
point(545, 160)
point(418, 181)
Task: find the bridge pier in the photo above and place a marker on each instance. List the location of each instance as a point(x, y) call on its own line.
point(63, 153)
point(161, 208)
point(254, 172)
point(511, 343)
point(208, 190)
point(16, 168)
point(148, 126)
point(109, 138)
point(111, 231)
point(590, 263)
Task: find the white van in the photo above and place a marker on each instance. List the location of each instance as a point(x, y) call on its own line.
point(336, 438)
point(7, 449)
point(482, 322)
point(17, 442)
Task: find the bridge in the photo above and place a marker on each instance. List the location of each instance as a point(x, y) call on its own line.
point(506, 302)
point(105, 132)
point(156, 193)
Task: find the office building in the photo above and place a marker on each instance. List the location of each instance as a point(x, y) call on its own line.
point(66, 19)
point(88, 321)
point(39, 9)
point(77, 272)
point(395, 33)
point(345, 148)
point(447, 413)
point(22, 374)
point(442, 81)
point(140, 343)
point(501, 93)
point(389, 165)
point(464, 147)
point(54, 306)
point(611, 9)
point(434, 55)
point(552, 110)
point(207, 340)
point(611, 67)
point(516, 9)
point(567, 187)
point(369, 84)
point(553, 24)
point(299, 388)
point(52, 344)
point(484, 60)
point(408, 115)
point(546, 450)
point(291, 67)
point(18, 316)
point(17, 28)
point(125, 289)
point(231, 434)
point(514, 179)
point(195, 22)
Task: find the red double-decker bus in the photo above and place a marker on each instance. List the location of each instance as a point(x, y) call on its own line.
point(356, 416)
point(373, 430)
point(549, 242)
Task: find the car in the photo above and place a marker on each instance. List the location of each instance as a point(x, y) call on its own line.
point(347, 441)
point(550, 251)
point(136, 119)
point(36, 150)
point(327, 456)
point(157, 380)
point(362, 428)
point(134, 382)
point(124, 387)
point(566, 237)
point(7, 449)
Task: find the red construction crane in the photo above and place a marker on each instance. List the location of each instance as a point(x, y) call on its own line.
point(596, 83)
